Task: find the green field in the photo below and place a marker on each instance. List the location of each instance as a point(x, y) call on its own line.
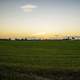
point(39, 55)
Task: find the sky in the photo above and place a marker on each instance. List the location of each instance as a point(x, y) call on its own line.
point(21, 17)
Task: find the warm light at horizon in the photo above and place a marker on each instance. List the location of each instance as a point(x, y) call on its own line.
point(37, 35)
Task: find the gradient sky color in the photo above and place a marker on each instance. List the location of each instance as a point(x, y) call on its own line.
point(39, 16)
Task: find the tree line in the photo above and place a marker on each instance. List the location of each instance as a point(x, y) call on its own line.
point(25, 39)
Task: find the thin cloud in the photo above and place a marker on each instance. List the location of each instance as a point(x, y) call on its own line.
point(28, 7)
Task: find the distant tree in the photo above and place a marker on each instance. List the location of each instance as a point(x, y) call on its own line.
point(25, 39)
point(68, 38)
point(22, 39)
point(9, 39)
point(73, 37)
point(17, 39)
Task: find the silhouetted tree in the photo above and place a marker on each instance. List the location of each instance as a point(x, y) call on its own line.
point(73, 37)
point(9, 39)
point(25, 39)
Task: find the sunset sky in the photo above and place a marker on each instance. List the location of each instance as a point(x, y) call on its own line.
point(39, 17)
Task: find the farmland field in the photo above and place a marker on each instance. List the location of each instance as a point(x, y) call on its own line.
point(40, 60)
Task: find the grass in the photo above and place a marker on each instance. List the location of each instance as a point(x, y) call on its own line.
point(39, 57)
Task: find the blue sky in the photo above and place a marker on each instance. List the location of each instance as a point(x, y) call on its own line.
point(39, 16)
